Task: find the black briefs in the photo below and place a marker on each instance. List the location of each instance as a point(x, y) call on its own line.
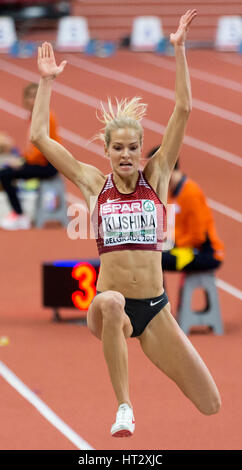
point(141, 311)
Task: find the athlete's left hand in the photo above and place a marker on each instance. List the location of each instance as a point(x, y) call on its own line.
point(46, 62)
point(178, 38)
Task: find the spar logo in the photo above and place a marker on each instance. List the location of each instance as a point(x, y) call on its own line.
point(149, 206)
point(122, 207)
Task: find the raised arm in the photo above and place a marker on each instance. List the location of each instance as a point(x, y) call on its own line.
point(86, 177)
point(165, 158)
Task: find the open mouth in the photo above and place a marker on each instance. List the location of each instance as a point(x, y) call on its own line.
point(126, 164)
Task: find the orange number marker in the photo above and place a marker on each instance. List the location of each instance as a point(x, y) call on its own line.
point(86, 275)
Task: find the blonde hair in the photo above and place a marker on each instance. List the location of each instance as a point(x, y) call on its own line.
point(128, 113)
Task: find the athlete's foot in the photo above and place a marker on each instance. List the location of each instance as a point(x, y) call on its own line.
point(125, 422)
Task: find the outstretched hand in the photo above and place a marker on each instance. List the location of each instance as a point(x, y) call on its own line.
point(178, 38)
point(46, 62)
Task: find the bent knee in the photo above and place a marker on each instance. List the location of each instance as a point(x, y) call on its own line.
point(112, 306)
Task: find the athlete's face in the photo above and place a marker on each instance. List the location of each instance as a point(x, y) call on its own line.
point(124, 151)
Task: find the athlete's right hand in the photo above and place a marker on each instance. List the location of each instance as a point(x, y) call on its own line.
point(46, 62)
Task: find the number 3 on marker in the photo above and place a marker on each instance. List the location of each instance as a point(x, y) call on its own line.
point(86, 275)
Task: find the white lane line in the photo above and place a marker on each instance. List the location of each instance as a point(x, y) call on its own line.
point(13, 109)
point(229, 289)
point(225, 210)
point(60, 88)
point(212, 150)
point(98, 150)
point(149, 124)
point(65, 133)
point(42, 408)
point(151, 88)
point(196, 73)
point(82, 142)
point(231, 59)
point(197, 144)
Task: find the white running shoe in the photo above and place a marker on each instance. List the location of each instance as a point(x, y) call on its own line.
point(14, 221)
point(125, 422)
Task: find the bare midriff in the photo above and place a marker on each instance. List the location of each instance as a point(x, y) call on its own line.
point(133, 273)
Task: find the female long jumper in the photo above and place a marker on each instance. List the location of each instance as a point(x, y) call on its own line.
point(130, 298)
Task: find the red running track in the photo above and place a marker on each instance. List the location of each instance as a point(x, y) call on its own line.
point(62, 364)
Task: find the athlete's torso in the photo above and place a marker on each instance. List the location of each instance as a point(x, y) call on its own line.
point(129, 232)
point(134, 221)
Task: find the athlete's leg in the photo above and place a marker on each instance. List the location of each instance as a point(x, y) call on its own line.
point(170, 350)
point(108, 321)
